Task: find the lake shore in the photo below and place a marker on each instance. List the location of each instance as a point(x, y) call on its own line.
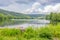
point(44, 33)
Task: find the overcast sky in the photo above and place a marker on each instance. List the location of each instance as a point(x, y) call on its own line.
point(31, 6)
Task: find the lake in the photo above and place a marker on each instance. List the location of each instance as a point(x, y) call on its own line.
point(24, 23)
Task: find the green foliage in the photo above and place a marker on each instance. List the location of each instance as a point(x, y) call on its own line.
point(45, 33)
point(4, 17)
point(29, 33)
point(42, 33)
point(10, 32)
point(53, 17)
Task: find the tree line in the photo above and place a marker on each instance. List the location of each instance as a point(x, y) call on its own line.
point(53, 17)
point(5, 17)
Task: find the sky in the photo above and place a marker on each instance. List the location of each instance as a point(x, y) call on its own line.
point(31, 6)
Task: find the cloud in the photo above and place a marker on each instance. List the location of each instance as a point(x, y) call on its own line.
point(25, 1)
point(52, 8)
point(56, 8)
point(30, 6)
point(33, 8)
point(12, 7)
point(15, 7)
point(44, 2)
point(6, 2)
point(47, 9)
point(36, 5)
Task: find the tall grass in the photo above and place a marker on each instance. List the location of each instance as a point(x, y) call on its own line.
point(42, 33)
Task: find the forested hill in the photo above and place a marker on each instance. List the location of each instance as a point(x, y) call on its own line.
point(15, 15)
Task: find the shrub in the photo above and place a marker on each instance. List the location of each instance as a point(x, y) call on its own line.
point(45, 33)
point(10, 32)
point(29, 33)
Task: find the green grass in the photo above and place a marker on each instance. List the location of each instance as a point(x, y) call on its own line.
point(49, 32)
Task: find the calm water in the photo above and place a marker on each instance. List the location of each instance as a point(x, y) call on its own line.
point(23, 23)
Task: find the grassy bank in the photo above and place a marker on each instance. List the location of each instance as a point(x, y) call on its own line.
point(44, 33)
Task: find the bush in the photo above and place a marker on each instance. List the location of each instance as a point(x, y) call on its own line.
point(29, 33)
point(1, 37)
point(10, 32)
point(42, 33)
point(45, 33)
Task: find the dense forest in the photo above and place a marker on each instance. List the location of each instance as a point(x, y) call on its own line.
point(5, 17)
point(53, 17)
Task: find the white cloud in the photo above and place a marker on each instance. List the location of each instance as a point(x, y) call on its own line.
point(15, 7)
point(36, 7)
point(50, 8)
point(46, 9)
point(57, 7)
point(33, 8)
point(39, 10)
point(12, 7)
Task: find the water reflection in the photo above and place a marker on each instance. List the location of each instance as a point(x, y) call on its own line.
point(23, 23)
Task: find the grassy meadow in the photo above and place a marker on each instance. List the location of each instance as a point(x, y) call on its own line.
point(50, 32)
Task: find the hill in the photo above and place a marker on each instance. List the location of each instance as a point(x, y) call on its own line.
point(20, 15)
